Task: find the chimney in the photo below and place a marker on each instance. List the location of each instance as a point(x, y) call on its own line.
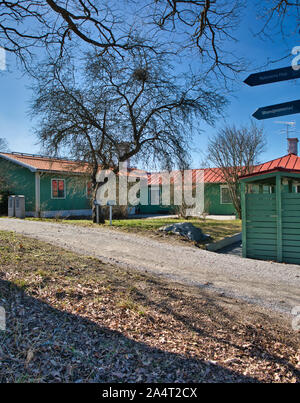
point(293, 145)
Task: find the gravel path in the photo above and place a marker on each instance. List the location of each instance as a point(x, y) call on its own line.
point(272, 285)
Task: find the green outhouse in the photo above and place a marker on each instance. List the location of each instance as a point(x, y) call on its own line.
point(271, 211)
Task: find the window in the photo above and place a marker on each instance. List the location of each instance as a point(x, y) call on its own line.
point(225, 195)
point(155, 196)
point(253, 188)
point(298, 189)
point(268, 189)
point(58, 189)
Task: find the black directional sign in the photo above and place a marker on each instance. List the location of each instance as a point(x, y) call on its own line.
point(273, 111)
point(272, 76)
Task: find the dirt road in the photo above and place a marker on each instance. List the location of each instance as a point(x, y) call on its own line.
point(272, 285)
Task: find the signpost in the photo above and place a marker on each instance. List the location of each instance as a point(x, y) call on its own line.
point(111, 203)
point(272, 76)
point(274, 111)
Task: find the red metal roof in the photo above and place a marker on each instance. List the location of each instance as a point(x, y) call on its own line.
point(40, 163)
point(211, 175)
point(289, 162)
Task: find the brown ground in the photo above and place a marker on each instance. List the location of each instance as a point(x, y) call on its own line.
point(75, 319)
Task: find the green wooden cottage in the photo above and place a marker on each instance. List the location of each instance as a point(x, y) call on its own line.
point(217, 200)
point(271, 209)
point(52, 187)
point(59, 187)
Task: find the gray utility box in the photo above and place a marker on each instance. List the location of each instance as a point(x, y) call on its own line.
point(11, 206)
point(20, 206)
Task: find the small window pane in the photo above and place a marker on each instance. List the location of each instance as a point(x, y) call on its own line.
point(253, 189)
point(58, 189)
point(225, 196)
point(266, 189)
point(54, 189)
point(155, 197)
point(61, 189)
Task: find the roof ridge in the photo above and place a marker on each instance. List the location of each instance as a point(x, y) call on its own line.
point(39, 156)
point(288, 160)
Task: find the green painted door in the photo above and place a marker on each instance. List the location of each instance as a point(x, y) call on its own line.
point(261, 226)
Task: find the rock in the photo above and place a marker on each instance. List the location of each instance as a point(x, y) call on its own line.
point(187, 230)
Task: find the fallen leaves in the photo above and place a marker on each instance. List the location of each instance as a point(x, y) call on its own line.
point(75, 319)
point(29, 357)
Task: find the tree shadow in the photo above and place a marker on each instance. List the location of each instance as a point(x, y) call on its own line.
point(256, 342)
point(44, 344)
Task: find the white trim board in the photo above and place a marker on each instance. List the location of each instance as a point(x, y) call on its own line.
point(37, 193)
point(22, 164)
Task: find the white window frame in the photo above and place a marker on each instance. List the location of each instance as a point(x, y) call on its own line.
point(58, 198)
point(223, 187)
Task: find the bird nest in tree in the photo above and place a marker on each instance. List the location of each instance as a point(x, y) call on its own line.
point(141, 74)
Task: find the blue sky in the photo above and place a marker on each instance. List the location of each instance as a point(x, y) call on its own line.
point(17, 127)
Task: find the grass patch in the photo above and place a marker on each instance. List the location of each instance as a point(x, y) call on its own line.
point(72, 318)
point(149, 227)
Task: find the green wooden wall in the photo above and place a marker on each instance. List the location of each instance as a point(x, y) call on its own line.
point(271, 224)
point(291, 227)
point(260, 231)
point(20, 181)
point(75, 193)
point(212, 202)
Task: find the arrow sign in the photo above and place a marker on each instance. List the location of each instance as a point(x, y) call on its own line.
point(272, 76)
point(273, 111)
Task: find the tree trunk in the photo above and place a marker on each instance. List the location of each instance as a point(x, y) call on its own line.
point(239, 212)
point(101, 215)
point(234, 192)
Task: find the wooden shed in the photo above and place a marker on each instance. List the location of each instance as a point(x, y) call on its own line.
point(271, 210)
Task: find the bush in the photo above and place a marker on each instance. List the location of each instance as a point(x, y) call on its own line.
point(119, 212)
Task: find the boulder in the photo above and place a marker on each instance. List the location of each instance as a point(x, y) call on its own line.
point(186, 230)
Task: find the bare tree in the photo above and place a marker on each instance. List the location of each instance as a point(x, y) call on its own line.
point(277, 13)
point(3, 145)
point(235, 152)
point(136, 100)
point(27, 27)
point(205, 25)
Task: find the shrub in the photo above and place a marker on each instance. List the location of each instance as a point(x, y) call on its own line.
point(119, 212)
